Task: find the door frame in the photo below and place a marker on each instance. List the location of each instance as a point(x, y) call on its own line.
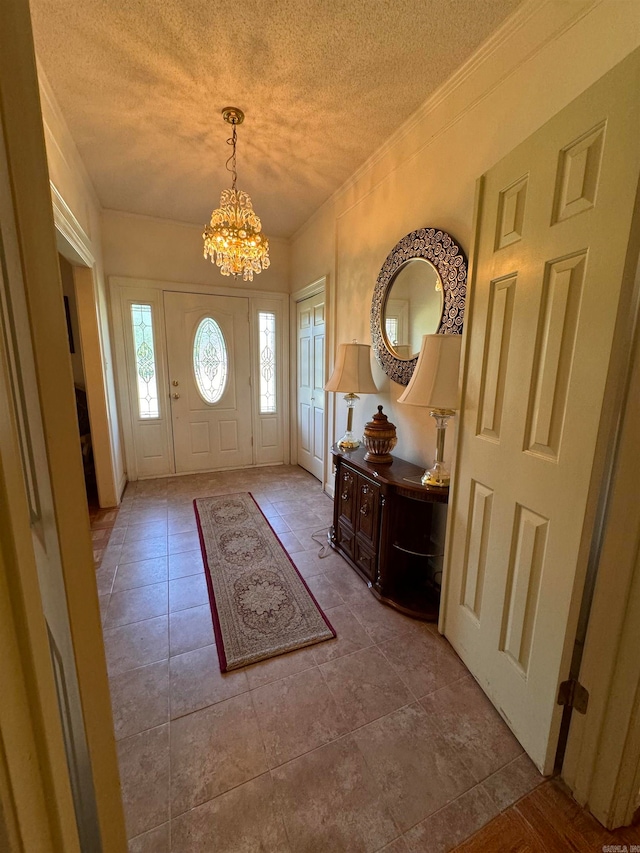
point(23, 141)
point(318, 286)
point(121, 288)
point(602, 759)
point(74, 245)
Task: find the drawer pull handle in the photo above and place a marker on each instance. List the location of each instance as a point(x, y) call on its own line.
point(344, 496)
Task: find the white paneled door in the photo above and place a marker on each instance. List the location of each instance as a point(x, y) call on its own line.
point(310, 385)
point(208, 354)
point(553, 235)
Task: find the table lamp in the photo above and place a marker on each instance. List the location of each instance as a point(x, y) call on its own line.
point(434, 385)
point(352, 374)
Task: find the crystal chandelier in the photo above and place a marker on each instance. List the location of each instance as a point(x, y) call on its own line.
point(234, 238)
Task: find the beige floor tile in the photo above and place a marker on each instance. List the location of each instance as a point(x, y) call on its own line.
point(140, 699)
point(512, 781)
point(297, 714)
point(141, 515)
point(241, 821)
point(133, 605)
point(187, 592)
point(144, 776)
point(426, 664)
point(104, 606)
point(183, 523)
point(302, 519)
point(384, 623)
point(140, 573)
point(418, 772)
point(453, 824)
point(471, 725)
point(350, 585)
point(290, 543)
point(196, 681)
point(351, 636)
point(179, 542)
point(147, 530)
point(306, 536)
point(111, 556)
point(279, 525)
point(104, 578)
point(131, 646)
point(324, 591)
point(309, 564)
point(331, 803)
point(144, 549)
point(213, 751)
point(365, 686)
point(397, 846)
point(155, 841)
point(281, 666)
point(185, 563)
point(190, 629)
point(116, 537)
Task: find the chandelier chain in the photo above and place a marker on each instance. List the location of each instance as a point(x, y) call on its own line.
point(232, 159)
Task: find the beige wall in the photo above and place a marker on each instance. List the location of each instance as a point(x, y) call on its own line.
point(142, 247)
point(75, 196)
point(425, 176)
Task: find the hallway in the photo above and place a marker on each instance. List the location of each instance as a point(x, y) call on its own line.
point(378, 740)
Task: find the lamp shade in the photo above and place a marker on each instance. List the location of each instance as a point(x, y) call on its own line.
point(434, 383)
point(352, 372)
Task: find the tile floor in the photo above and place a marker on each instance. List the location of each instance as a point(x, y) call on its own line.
point(378, 740)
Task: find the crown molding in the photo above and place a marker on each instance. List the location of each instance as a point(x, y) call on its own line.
point(48, 98)
point(67, 224)
point(513, 24)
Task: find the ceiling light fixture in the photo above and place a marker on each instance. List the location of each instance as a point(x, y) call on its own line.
point(234, 238)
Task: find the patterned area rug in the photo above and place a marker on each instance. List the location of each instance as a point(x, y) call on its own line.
point(260, 604)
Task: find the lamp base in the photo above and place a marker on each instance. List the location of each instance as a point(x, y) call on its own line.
point(348, 441)
point(437, 476)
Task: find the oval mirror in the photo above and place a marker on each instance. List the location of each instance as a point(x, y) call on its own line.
point(413, 307)
point(407, 303)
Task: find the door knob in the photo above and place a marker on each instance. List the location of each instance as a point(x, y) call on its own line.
point(175, 382)
point(176, 396)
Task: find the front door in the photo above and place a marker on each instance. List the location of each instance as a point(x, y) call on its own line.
point(553, 235)
point(310, 386)
point(208, 353)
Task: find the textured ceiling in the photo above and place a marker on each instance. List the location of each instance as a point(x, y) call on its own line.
point(322, 82)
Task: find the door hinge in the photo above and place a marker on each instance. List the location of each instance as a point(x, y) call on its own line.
point(574, 695)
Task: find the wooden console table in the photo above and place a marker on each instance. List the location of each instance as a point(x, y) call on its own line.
point(382, 527)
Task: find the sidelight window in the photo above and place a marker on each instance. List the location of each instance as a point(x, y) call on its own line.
point(146, 374)
point(267, 355)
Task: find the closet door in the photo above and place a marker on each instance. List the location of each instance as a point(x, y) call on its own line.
point(553, 233)
point(310, 385)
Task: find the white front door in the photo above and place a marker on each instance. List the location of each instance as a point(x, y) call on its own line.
point(310, 385)
point(554, 229)
point(208, 353)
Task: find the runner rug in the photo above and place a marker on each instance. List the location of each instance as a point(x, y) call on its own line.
point(260, 604)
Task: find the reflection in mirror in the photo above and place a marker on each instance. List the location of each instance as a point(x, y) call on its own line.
point(413, 307)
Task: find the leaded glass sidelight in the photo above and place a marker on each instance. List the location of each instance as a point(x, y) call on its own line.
point(210, 360)
point(146, 378)
point(391, 328)
point(267, 354)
